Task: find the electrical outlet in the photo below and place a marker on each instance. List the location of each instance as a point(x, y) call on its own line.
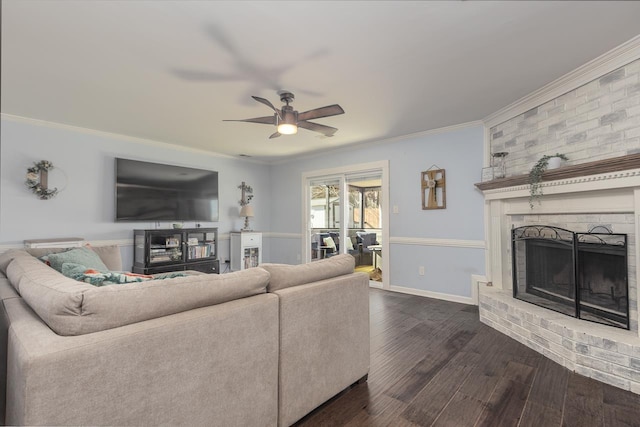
point(421, 270)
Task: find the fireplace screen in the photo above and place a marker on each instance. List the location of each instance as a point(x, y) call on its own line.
point(579, 274)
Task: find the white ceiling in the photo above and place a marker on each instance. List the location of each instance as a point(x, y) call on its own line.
point(170, 71)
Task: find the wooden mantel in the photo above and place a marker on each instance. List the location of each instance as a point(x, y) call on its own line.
point(616, 164)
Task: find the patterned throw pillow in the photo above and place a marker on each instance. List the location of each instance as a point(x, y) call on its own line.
point(102, 278)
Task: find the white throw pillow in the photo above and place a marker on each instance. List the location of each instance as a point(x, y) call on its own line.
point(329, 243)
point(349, 244)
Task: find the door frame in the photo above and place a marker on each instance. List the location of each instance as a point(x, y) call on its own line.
point(343, 172)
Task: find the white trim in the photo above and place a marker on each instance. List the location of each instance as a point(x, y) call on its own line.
point(5, 248)
point(118, 242)
point(615, 58)
point(455, 243)
point(431, 294)
point(636, 203)
point(604, 181)
point(374, 284)
point(276, 235)
point(347, 169)
point(112, 135)
point(425, 241)
point(375, 142)
point(476, 279)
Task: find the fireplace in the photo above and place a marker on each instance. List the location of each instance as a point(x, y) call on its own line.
point(583, 275)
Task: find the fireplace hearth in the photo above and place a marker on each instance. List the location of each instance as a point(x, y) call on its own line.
point(583, 275)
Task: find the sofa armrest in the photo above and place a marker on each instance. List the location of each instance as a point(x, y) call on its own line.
point(197, 367)
point(324, 342)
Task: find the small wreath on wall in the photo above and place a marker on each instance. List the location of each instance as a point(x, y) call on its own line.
point(37, 180)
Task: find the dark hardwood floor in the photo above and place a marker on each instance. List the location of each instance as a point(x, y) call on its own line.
point(434, 364)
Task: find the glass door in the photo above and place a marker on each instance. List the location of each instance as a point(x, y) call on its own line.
point(363, 237)
point(324, 217)
point(346, 212)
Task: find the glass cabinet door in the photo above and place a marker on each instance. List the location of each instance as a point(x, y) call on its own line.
point(200, 245)
point(251, 257)
point(165, 247)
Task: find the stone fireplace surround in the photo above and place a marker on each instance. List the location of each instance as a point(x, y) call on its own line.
point(605, 353)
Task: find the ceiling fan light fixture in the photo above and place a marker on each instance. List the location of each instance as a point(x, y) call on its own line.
point(287, 129)
point(287, 120)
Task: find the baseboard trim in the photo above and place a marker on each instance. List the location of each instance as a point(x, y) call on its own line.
point(431, 294)
point(374, 284)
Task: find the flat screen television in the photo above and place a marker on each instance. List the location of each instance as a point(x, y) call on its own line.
point(157, 192)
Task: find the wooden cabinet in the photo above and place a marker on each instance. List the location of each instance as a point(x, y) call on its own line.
point(246, 250)
point(160, 251)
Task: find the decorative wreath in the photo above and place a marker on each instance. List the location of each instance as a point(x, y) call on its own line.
point(33, 180)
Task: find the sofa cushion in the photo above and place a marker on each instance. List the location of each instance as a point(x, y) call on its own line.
point(7, 257)
point(285, 276)
point(70, 307)
point(110, 255)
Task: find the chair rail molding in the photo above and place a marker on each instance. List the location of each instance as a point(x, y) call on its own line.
point(428, 241)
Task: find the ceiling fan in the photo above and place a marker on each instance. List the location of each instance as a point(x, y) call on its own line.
point(287, 120)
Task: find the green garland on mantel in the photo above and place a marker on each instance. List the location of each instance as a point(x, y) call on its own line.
point(33, 180)
point(535, 177)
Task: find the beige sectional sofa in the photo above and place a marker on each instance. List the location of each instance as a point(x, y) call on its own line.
point(260, 347)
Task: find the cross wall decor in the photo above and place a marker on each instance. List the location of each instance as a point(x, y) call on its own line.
point(434, 186)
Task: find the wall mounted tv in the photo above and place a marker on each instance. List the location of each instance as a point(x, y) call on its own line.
point(157, 192)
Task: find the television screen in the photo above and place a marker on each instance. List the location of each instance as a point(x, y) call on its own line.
point(157, 192)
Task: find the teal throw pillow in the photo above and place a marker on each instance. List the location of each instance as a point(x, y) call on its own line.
point(83, 256)
point(72, 270)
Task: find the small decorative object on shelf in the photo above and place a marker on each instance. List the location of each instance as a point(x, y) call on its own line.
point(535, 175)
point(37, 180)
point(499, 164)
point(487, 174)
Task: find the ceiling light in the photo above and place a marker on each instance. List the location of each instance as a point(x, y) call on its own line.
point(287, 128)
point(288, 121)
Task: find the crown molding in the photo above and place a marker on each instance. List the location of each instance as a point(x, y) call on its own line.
point(112, 135)
point(617, 57)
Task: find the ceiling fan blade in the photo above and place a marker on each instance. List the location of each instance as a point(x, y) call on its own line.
point(325, 130)
point(330, 110)
point(267, 120)
point(275, 135)
point(267, 103)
